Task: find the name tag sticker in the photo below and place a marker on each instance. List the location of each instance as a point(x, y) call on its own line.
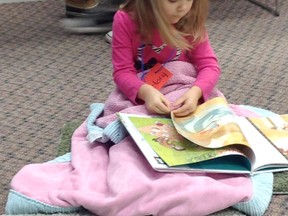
point(158, 76)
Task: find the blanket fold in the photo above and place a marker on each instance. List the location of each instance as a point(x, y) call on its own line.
point(114, 131)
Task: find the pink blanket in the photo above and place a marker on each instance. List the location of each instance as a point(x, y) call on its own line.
point(183, 77)
point(117, 180)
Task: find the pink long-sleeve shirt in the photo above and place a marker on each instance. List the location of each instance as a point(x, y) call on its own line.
point(128, 52)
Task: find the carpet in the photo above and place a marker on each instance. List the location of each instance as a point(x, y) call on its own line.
point(49, 76)
point(280, 178)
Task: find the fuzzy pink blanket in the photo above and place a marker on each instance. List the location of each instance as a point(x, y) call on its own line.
point(183, 77)
point(117, 180)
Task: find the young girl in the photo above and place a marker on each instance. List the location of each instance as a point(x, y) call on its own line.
point(160, 31)
point(149, 37)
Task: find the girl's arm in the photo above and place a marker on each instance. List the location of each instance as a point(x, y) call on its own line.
point(208, 69)
point(123, 56)
point(124, 48)
point(208, 73)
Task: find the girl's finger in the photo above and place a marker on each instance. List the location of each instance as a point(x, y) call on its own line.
point(165, 102)
point(178, 102)
point(183, 111)
point(163, 108)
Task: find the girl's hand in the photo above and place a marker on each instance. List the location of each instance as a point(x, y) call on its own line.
point(155, 101)
point(188, 102)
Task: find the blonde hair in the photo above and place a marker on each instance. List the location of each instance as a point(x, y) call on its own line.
point(149, 16)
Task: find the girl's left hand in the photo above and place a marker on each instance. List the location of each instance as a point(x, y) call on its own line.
point(188, 102)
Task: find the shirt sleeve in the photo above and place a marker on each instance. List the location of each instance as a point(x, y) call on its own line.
point(124, 54)
point(208, 69)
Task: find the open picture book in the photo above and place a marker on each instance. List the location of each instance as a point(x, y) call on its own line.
point(211, 139)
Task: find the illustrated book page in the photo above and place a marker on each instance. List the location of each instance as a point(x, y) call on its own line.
point(212, 138)
point(167, 150)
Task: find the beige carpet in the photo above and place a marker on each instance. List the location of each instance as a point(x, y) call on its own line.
point(49, 76)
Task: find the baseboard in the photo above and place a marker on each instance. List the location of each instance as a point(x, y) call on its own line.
point(16, 1)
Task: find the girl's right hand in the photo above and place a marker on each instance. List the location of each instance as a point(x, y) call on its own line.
point(155, 101)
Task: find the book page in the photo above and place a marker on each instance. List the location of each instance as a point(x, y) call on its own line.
point(212, 125)
point(275, 129)
point(152, 157)
point(173, 148)
point(268, 137)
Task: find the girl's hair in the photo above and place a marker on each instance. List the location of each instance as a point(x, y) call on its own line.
point(149, 16)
